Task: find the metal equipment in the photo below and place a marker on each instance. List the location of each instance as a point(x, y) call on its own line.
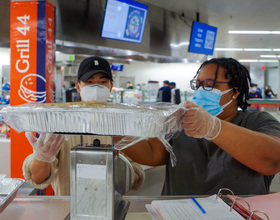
point(99, 177)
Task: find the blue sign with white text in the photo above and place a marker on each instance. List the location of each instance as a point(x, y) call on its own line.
point(203, 38)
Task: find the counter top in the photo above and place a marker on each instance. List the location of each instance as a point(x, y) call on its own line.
point(58, 207)
point(268, 101)
point(37, 207)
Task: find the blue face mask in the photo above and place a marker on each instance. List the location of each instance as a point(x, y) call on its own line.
point(210, 100)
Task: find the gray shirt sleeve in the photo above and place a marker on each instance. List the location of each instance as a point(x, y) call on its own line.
point(267, 124)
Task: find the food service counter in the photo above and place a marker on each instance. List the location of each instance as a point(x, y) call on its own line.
point(264, 104)
point(58, 207)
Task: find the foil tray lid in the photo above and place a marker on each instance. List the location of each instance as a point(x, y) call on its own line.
point(102, 118)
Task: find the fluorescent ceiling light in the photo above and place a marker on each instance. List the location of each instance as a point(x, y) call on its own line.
point(129, 52)
point(268, 61)
point(248, 61)
point(254, 32)
point(276, 49)
point(269, 56)
point(257, 49)
point(258, 61)
point(228, 49)
point(109, 58)
point(246, 49)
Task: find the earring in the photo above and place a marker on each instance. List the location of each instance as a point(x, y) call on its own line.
point(233, 97)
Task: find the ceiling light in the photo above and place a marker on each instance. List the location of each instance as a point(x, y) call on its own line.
point(257, 49)
point(254, 32)
point(258, 61)
point(109, 58)
point(248, 61)
point(269, 56)
point(129, 52)
point(268, 61)
point(228, 49)
point(247, 49)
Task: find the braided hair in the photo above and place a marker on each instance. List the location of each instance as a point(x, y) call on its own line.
point(237, 74)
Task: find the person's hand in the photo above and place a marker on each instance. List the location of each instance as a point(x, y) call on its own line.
point(46, 146)
point(198, 123)
point(136, 181)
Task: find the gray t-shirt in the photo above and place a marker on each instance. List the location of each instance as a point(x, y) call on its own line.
point(203, 168)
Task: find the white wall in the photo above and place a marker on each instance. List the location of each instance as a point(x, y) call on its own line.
point(179, 73)
point(273, 79)
point(4, 60)
point(257, 77)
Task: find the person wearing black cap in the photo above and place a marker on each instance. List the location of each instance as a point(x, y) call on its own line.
point(95, 80)
point(50, 161)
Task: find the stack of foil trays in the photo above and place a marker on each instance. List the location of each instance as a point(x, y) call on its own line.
point(95, 118)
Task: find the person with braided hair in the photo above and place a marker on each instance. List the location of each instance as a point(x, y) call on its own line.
point(221, 145)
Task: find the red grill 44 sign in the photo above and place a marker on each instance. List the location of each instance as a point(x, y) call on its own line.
point(32, 44)
point(32, 35)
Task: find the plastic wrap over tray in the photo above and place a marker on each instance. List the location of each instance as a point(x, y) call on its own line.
point(94, 118)
point(8, 191)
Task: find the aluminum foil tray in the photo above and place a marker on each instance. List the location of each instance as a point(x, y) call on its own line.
point(8, 191)
point(94, 118)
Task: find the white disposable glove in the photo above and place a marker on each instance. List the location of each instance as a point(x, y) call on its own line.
point(127, 141)
point(198, 123)
point(46, 146)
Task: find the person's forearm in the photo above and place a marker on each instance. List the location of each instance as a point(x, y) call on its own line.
point(39, 170)
point(150, 152)
point(257, 151)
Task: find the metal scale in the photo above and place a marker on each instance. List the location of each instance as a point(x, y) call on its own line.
point(99, 176)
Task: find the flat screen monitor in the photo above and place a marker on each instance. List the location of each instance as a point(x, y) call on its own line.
point(124, 20)
point(203, 38)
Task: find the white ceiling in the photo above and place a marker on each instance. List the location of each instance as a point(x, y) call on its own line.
point(254, 15)
point(232, 15)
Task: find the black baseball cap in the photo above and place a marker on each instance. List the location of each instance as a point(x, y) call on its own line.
point(92, 65)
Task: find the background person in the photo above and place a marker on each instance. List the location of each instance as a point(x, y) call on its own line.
point(164, 92)
point(50, 161)
point(128, 85)
point(175, 93)
point(254, 91)
point(268, 92)
point(219, 146)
